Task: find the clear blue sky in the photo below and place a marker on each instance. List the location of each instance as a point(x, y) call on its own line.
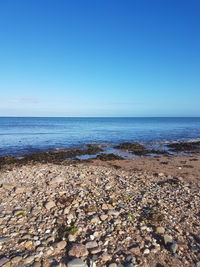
point(99, 58)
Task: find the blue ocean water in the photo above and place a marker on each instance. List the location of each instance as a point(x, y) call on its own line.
point(22, 135)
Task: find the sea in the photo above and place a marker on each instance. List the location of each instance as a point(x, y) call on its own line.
point(24, 135)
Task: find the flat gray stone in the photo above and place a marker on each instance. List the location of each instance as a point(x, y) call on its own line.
point(174, 247)
point(76, 263)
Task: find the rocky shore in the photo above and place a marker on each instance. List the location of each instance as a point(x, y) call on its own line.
point(101, 213)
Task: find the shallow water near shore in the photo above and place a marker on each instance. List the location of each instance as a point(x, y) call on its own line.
point(19, 136)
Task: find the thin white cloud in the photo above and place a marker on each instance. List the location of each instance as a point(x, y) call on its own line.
point(21, 100)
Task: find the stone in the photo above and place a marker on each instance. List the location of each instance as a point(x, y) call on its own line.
point(113, 213)
point(106, 257)
point(92, 237)
point(174, 247)
point(8, 186)
point(160, 230)
point(135, 250)
point(36, 264)
point(72, 238)
point(168, 239)
point(146, 251)
point(66, 210)
point(28, 244)
point(20, 190)
point(61, 245)
point(49, 205)
point(127, 264)
point(16, 259)
point(3, 261)
point(76, 263)
point(91, 244)
point(29, 259)
point(103, 217)
point(95, 219)
point(95, 250)
point(8, 264)
point(78, 250)
point(19, 212)
point(56, 180)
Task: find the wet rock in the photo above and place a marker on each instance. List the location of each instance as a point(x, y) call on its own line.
point(134, 148)
point(109, 157)
point(185, 146)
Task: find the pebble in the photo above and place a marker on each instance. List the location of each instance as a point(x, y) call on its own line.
point(20, 190)
point(174, 247)
point(160, 230)
point(28, 244)
point(91, 244)
point(146, 251)
point(127, 264)
point(49, 205)
point(3, 260)
point(36, 264)
point(76, 263)
point(56, 180)
point(29, 259)
point(78, 250)
point(168, 239)
point(95, 250)
point(113, 265)
point(103, 217)
point(16, 259)
point(61, 245)
point(106, 257)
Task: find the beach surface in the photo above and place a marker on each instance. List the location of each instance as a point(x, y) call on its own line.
point(136, 212)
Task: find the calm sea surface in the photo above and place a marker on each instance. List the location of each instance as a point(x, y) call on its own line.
point(26, 135)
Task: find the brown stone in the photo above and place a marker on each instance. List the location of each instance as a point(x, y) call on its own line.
point(78, 250)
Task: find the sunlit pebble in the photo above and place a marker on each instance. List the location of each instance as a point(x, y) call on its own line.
point(92, 237)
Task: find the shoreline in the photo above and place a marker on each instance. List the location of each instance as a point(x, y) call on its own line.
point(121, 151)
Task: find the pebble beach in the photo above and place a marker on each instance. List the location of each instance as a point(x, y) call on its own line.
point(113, 213)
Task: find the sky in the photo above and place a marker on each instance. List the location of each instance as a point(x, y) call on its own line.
point(100, 58)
